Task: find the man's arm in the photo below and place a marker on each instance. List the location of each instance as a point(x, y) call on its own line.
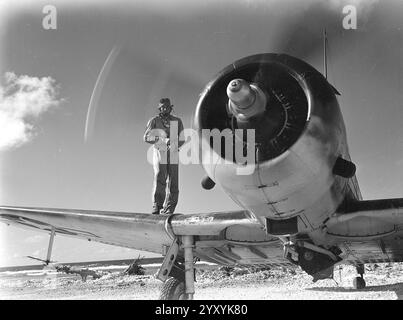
point(147, 136)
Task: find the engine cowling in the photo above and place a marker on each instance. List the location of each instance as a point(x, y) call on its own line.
point(299, 134)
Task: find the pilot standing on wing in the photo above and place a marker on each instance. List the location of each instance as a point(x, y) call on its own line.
point(163, 132)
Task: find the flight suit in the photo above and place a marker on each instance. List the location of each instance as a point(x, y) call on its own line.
point(165, 169)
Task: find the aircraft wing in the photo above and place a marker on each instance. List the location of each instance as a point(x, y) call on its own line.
point(369, 231)
point(139, 231)
point(226, 238)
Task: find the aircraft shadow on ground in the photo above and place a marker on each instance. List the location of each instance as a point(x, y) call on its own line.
point(397, 288)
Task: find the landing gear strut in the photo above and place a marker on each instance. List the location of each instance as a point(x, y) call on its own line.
point(359, 282)
point(189, 266)
point(178, 277)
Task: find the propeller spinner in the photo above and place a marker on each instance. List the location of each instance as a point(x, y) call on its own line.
point(246, 100)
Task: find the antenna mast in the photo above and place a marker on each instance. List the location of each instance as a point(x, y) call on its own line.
point(325, 52)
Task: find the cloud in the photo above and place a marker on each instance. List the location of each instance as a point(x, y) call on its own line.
point(23, 99)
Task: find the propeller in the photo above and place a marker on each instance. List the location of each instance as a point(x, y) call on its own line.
point(96, 93)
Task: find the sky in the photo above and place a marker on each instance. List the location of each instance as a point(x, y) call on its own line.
point(169, 49)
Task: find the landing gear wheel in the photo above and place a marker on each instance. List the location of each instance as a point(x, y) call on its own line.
point(173, 289)
point(359, 283)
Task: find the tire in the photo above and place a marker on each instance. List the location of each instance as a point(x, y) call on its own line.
point(173, 289)
point(359, 283)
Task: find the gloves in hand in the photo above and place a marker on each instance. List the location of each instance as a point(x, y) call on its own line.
point(162, 144)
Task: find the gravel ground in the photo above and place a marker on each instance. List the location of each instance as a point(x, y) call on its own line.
point(383, 282)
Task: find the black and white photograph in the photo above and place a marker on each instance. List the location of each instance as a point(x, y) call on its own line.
point(210, 150)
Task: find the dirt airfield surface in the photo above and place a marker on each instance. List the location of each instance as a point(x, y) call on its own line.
point(384, 282)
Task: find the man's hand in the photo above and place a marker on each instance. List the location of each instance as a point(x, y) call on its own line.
point(163, 144)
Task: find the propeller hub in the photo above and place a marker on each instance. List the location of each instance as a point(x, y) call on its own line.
point(240, 93)
point(245, 99)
